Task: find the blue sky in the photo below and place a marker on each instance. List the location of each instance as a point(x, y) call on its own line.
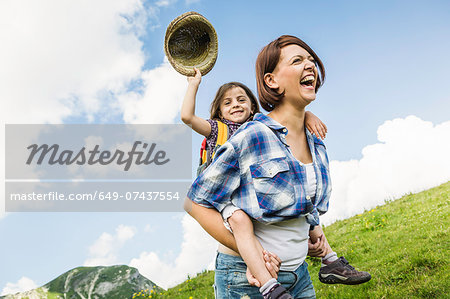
point(384, 60)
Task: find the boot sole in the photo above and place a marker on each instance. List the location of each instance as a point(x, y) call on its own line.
point(335, 279)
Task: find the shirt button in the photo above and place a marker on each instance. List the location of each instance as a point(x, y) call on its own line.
point(284, 130)
point(308, 197)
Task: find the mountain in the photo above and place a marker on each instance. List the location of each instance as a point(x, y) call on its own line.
point(92, 282)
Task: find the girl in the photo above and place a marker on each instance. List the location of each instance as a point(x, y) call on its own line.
point(222, 109)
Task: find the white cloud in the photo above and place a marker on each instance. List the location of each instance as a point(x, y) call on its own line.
point(411, 156)
point(164, 3)
point(63, 59)
point(59, 58)
point(197, 253)
point(160, 102)
point(104, 251)
point(149, 229)
point(22, 285)
point(125, 233)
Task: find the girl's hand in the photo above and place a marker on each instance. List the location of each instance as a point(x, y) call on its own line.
point(196, 79)
point(315, 125)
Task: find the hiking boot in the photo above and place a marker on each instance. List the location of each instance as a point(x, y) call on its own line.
point(278, 292)
point(340, 271)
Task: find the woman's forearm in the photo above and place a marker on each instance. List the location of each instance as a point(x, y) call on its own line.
point(212, 223)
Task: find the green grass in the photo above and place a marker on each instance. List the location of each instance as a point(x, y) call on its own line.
point(404, 244)
point(197, 287)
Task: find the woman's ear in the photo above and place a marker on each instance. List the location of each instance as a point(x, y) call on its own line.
point(270, 81)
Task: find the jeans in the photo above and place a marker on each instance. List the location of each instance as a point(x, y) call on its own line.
point(230, 281)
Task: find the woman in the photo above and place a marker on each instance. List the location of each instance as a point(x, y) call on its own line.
point(262, 170)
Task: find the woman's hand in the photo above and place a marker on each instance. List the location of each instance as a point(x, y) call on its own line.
point(273, 263)
point(252, 279)
point(196, 79)
point(315, 125)
point(317, 249)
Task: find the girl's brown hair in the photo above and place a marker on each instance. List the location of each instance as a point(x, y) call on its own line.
point(215, 105)
point(268, 59)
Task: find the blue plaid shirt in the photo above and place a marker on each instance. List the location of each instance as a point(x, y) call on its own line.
point(256, 170)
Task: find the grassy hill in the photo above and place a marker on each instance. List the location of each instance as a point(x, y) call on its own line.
point(404, 244)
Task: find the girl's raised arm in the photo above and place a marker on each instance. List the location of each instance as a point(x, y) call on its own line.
point(188, 116)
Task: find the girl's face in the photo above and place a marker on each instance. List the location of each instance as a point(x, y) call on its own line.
point(235, 105)
point(296, 75)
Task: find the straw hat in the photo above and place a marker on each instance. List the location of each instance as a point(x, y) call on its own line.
point(191, 41)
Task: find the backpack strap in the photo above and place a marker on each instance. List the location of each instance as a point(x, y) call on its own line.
point(203, 152)
point(222, 137)
point(207, 154)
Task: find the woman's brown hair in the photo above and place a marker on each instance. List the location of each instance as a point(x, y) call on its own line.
point(268, 59)
point(215, 105)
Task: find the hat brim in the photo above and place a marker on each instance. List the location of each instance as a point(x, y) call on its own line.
point(191, 41)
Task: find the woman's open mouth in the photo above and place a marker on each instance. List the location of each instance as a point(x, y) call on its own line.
point(308, 82)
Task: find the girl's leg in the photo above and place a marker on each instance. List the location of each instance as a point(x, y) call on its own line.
point(249, 247)
point(334, 269)
point(251, 252)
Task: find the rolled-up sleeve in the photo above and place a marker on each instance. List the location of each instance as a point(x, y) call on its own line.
point(214, 187)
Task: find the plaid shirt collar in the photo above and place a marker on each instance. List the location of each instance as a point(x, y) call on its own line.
point(270, 122)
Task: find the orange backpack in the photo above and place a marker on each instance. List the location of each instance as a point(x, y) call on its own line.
point(207, 155)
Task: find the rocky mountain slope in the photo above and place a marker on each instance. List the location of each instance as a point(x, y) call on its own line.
point(113, 282)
